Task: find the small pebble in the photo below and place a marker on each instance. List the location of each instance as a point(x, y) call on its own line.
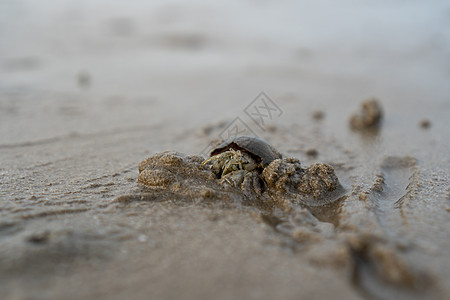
point(425, 124)
point(312, 152)
point(318, 115)
point(39, 237)
point(84, 79)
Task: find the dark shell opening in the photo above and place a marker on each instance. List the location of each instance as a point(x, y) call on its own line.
point(235, 146)
point(256, 148)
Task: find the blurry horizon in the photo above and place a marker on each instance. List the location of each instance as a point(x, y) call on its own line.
point(201, 61)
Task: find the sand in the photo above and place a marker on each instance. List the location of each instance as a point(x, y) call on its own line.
point(89, 90)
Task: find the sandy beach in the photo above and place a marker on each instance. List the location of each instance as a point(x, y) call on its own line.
point(89, 89)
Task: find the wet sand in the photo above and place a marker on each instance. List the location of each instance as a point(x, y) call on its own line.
point(89, 91)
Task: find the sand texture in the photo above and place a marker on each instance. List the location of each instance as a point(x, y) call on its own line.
point(90, 91)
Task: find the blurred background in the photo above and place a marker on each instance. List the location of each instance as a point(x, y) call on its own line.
point(89, 88)
point(82, 66)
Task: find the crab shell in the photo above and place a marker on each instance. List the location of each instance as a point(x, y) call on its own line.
point(257, 148)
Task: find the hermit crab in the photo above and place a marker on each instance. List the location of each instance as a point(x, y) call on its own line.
point(246, 166)
point(239, 162)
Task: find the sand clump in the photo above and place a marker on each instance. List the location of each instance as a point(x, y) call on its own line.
point(286, 176)
point(283, 179)
point(369, 116)
point(425, 124)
